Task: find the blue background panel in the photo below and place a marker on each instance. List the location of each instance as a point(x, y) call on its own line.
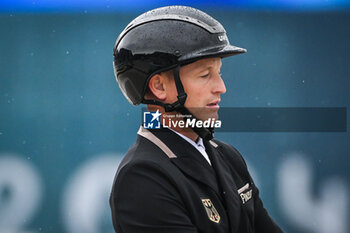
point(65, 125)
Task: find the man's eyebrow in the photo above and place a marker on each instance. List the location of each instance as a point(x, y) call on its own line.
point(200, 70)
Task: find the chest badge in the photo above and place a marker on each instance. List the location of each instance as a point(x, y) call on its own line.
point(213, 214)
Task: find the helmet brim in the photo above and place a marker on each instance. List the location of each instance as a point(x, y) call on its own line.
point(225, 51)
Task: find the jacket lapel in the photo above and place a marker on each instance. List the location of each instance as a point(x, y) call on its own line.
point(229, 188)
point(188, 159)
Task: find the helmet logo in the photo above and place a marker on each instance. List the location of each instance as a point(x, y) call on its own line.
point(222, 38)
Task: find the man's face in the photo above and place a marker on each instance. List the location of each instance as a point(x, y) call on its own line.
point(203, 84)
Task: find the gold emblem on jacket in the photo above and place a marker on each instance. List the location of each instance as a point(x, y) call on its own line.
point(211, 211)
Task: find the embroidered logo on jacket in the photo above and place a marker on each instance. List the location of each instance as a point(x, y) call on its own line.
point(245, 193)
point(246, 196)
point(211, 211)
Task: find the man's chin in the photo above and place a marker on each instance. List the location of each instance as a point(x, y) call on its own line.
point(205, 113)
point(211, 116)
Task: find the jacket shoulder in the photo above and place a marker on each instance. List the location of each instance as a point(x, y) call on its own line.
point(229, 150)
point(143, 151)
point(144, 157)
point(233, 157)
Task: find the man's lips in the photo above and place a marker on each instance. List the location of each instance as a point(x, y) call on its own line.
point(214, 104)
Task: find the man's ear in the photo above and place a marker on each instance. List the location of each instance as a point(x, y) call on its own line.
point(156, 86)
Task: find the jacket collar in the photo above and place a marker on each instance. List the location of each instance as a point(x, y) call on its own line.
point(184, 155)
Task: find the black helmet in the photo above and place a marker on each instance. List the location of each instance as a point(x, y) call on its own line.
point(162, 39)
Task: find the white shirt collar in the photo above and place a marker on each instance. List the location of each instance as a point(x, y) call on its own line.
point(199, 145)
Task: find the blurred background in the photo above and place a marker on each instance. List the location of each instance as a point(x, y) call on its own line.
point(65, 125)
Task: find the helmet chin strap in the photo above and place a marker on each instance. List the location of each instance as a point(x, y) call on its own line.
point(179, 106)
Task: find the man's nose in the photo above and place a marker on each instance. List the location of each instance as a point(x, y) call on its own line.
point(219, 86)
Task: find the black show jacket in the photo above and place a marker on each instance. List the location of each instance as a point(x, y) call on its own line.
point(165, 185)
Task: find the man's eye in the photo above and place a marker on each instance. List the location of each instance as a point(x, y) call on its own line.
point(204, 76)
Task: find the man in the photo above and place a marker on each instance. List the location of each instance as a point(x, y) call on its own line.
point(180, 180)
